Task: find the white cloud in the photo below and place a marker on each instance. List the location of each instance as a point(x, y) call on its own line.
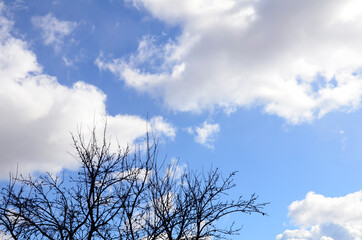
point(297, 59)
point(160, 126)
point(326, 218)
point(53, 30)
point(67, 61)
point(38, 113)
point(205, 135)
point(175, 170)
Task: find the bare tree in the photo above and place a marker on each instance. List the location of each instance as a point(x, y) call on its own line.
point(122, 195)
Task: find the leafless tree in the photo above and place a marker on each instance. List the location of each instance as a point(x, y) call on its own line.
point(123, 195)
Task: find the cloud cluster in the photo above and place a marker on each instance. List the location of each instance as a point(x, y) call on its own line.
point(38, 113)
point(326, 218)
point(205, 134)
point(296, 59)
point(53, 30)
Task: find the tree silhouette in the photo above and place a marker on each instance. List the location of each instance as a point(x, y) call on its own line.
point(122, 195)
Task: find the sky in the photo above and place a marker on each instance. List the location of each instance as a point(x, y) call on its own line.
point(268, 88)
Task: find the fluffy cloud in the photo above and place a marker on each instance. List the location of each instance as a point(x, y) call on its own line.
point(162, 127)
point(38, 113)
point(53, 30)
point(205, 135)
point(326, 218)
point(297, 59)
point(175, 170)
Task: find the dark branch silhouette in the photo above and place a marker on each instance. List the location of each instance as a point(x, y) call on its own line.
point(121, 195)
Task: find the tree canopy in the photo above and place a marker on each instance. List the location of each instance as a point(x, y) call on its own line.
point(127, 194)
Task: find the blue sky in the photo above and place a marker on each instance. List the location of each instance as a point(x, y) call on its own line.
point(271, 89)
